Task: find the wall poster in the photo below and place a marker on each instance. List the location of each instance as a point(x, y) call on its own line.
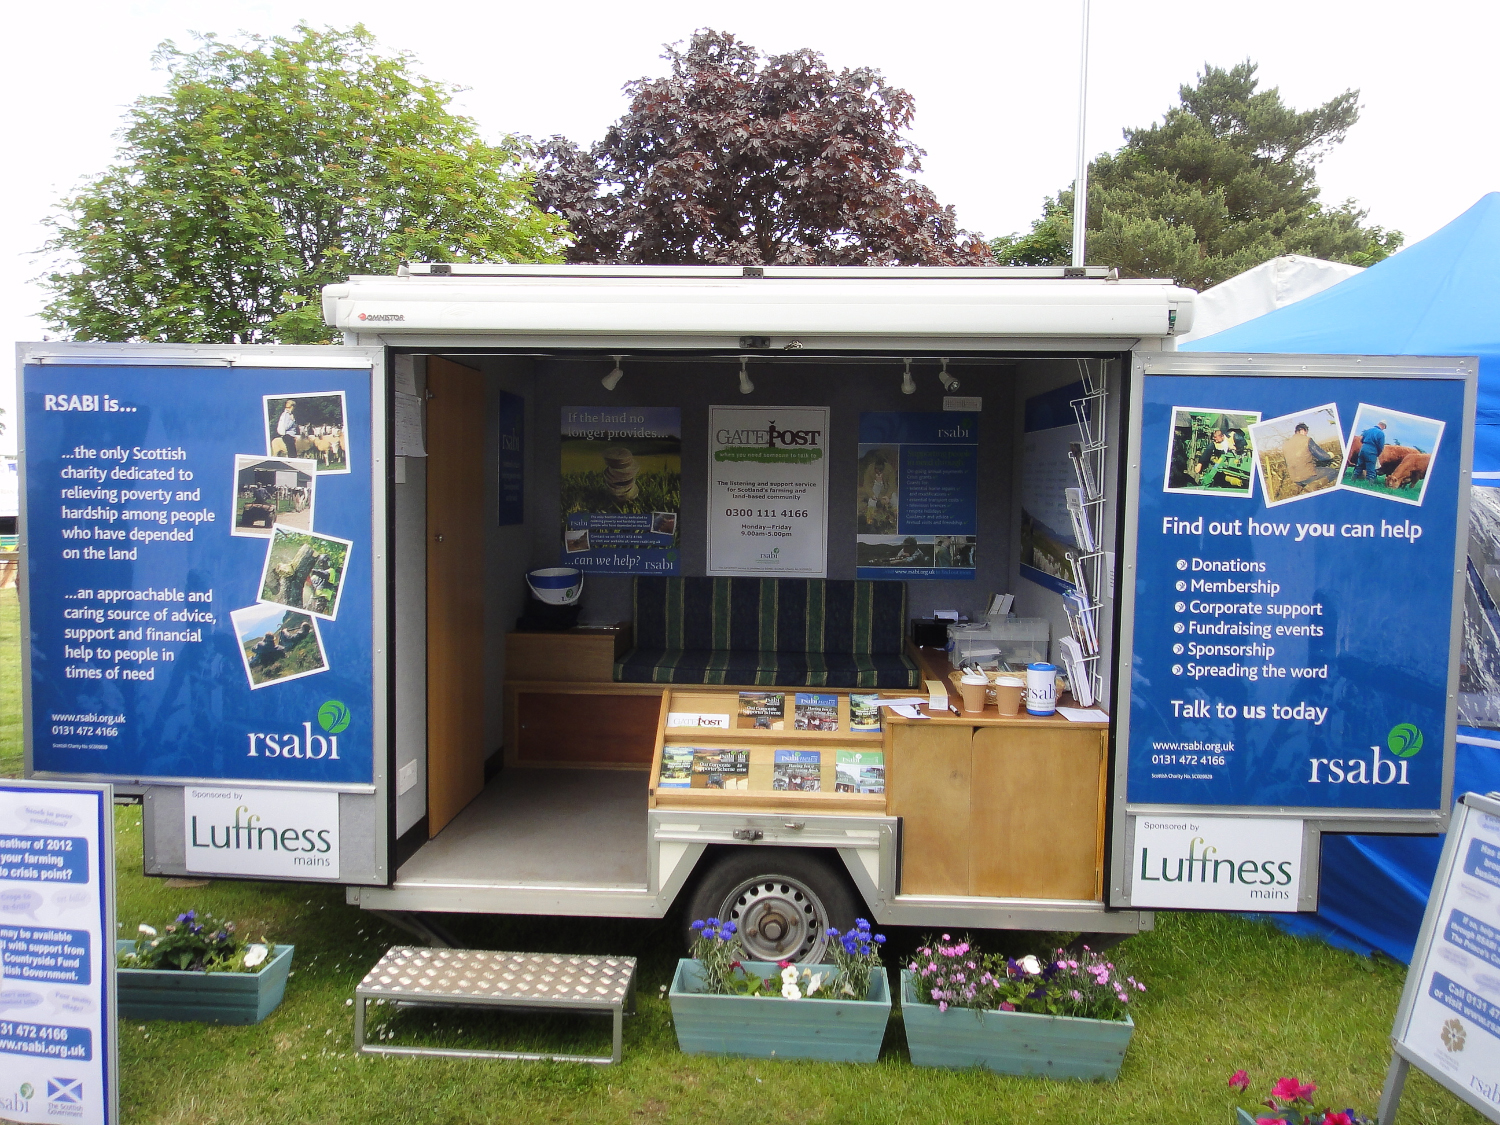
point(201, 572)
point(621, 488)
point(512, 502)
point(917, 495)
point(1291, 639)
point(768, 490)
point(1047, 472)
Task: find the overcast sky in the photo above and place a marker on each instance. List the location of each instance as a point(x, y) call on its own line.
point(995, 86)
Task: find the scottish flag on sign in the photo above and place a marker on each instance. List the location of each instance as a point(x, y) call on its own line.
point(65, 1091)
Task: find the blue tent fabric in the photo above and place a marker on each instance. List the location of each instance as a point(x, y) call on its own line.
point(1440, 296)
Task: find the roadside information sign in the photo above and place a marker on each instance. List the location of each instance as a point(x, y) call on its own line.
point(1448, 1022)
point(58, 1049)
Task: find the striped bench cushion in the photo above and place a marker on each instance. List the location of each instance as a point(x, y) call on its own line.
point(771, 669)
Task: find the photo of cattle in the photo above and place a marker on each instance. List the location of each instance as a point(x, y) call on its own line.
point(1298, 455)
point(268, 491)
point(1210, 452)
point(310, 427)
point(305, 571)
point(277, 644)
point(1390, 453)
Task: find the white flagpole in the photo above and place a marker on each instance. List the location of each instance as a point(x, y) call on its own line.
point(1081, 181)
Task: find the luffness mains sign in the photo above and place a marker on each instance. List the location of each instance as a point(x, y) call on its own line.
point(1216, 863)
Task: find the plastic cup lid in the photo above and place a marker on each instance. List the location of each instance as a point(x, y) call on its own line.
point(1041, 667)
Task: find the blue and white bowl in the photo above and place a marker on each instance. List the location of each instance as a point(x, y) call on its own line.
point(556, 585)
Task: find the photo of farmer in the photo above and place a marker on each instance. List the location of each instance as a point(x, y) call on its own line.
point(1211, 452)
point(1299, 454)
point(877, 494)
point(277, 644)
point(309, 427)
point(269, 491)
point(1390, 453)
point(305, 571)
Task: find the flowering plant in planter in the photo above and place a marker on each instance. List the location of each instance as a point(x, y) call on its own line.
point(855, 955)
point(952, 974)
point(1290, 1102)
point(196, 942)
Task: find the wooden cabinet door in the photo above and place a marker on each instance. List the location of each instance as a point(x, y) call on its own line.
point(927, 785)
point(1037, 817)
point(456, 523)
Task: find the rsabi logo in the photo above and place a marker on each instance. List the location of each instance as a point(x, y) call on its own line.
point(333, 717)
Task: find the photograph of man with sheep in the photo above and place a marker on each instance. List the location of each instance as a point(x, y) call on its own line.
point(305, 571)
point(1298, 454)
point(1390, 453)
point(1210, 451)
point(311, 427)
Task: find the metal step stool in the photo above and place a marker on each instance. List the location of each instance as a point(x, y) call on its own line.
point(478, 978)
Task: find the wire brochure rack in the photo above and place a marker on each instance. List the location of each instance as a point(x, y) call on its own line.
point(1086, 507)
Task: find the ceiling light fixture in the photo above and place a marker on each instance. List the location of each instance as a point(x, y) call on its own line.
point(950, 384)
point(612, 380)
point(746, 386)
point(908, 385)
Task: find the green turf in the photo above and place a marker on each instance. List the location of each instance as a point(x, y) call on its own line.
point(1224, 993)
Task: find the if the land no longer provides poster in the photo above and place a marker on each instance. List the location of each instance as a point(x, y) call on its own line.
point(768, 490)
point(621, 488)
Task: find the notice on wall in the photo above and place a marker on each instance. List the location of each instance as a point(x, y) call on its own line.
point(918, 495)
point(768, 490)
point(1047, 472)
point(1292, 630)
point(200, 567)
point(512, 455)
point(621, 488)
point(266, 832)
point(1216, 863)
point(58, 1052)
point(1448, 1023)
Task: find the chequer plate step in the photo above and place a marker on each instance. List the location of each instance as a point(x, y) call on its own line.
point(534, 977)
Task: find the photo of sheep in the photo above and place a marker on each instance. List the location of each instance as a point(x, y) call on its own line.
point(1390, 453)
point(268, 491)
point(877, 492)
point(1210, 452)
point(305, 571)
point(311, 426)
point(1298, 455)
point(277, 644)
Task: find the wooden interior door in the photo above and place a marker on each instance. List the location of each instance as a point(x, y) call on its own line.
point(456, 526)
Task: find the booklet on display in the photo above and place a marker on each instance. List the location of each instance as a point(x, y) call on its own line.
point(797, 771)
point(864, 713)
point(721, 769)
point(817, 712)
point(860, 771)
point(762, 710)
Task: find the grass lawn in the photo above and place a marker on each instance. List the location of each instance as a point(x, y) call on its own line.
point(1224, 993)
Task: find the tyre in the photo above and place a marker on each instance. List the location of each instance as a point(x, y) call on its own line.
point(784, 900)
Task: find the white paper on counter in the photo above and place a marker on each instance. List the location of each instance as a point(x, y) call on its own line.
point(910, 712)
point(904, 701)
point(409, 426)
point(1083, 714)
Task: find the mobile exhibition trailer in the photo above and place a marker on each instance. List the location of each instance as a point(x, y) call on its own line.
point(1258, 622)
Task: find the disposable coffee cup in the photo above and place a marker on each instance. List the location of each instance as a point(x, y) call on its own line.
point(973, 689)
point(1008, 693)
point(1041, 689)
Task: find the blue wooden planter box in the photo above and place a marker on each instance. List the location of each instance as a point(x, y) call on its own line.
point(233, 998)
point(761, 1028)
point(1012, 1042)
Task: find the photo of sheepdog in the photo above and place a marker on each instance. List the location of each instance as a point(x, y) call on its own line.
point(305, 571)
point(1390, 453)
point(312, 426)
point(277, 644)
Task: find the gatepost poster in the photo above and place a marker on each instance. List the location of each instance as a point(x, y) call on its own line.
point(917, 495)
point(768, 490)
point(1291, 637)
point(58, 1058)
point(201, 572)
point(621, 488)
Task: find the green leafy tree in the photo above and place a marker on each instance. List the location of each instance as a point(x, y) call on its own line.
point(1226, 181)
point(269, 168)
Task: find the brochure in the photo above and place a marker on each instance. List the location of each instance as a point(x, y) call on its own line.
point(859, 771)
point(797, 771)
point(721, 769)
point(864, 712)
point(762, 710)
point(676, 767)
point(817, 712)
point(697, 719)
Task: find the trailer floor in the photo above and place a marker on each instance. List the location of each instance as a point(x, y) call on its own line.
point(584, 828)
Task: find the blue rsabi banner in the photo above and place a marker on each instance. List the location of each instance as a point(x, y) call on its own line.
point(1294, 591)
point(199, 554)
point(917, 495)
point(512, 505)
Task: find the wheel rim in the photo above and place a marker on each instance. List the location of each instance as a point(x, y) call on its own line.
point(779, 919)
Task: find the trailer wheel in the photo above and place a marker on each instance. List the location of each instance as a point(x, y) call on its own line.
point(783, 900)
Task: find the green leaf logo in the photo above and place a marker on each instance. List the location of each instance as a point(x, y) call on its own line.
point(27, 1089)
point(1404, 740)
point(333, 717)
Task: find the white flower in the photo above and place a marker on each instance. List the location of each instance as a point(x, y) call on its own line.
point(814, 982)
point(1031, 966)
point(147, 930)
point(789, 975)
point(255, 955)
point(791, 992)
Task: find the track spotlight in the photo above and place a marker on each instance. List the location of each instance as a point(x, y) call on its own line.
point(950, 384)
point(746, 386)
point(612, 380)
point(908, 385)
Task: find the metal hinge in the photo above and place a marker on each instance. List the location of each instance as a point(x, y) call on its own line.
point(748, 834)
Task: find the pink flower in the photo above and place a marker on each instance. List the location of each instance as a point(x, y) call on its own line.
point(1289, 1089)
point(1239, 1080)
point(1305, 1093)
point(1337, 1117)
point(942, 1007)
point(1007, 1006)
point(1270, 1121)
point(937, 993)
